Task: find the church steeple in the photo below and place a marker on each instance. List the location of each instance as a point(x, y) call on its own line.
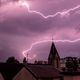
point(53, 58)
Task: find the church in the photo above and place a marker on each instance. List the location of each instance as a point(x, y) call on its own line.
point(50, 70)
point(54, 58)
point(27, 71)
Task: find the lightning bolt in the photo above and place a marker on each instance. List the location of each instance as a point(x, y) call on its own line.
point(63, 13)
point(43, 41)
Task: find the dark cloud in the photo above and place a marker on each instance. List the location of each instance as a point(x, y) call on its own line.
point(19, 28)
point(23, 24)
point(7, 51)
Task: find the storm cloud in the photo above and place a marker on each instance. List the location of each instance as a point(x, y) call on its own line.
point(19, 28)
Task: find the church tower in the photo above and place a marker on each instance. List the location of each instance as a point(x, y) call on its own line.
point(54, 58)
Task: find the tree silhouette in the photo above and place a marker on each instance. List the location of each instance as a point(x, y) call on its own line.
point(75, 64)
point(71, 64)
point(12, 60)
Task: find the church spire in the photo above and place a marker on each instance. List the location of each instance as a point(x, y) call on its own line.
point(53, 55)
point(53, 49)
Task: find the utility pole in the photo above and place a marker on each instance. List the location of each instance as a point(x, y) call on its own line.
point(27, 57)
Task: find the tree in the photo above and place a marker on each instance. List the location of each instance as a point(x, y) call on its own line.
point(71, 64)
point(75, 64)
point(12, 60)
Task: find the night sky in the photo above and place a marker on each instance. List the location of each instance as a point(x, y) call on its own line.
point(24, 22)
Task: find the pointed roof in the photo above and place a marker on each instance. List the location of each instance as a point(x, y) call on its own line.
point(53, 50)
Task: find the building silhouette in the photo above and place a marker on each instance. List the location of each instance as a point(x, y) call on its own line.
point(54, 58)
point(40, 70)
point(37, 71)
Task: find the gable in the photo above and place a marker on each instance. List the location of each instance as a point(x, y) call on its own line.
point(24, 74)
point(1, 77)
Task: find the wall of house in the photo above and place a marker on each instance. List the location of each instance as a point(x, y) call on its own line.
point(68, 78)
point(24, 74)
point(71, 77)
point(76, 78)
point(1, 77)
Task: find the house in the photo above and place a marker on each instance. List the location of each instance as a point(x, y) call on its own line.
point(1, 77)
point(38, 72)
point(25, 71)
point(71, 75)
point(42, 70)
point(28, 72)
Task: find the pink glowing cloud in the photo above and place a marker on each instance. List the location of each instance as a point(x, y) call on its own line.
point(23, 23)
